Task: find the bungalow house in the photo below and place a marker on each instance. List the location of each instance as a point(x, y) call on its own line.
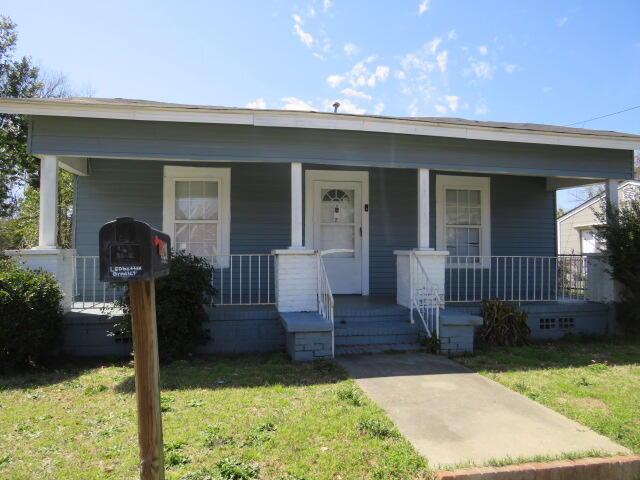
point(576, 228)
point(329, 233)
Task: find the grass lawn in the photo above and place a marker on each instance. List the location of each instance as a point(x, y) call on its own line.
point(247, 417)
point(596, 383)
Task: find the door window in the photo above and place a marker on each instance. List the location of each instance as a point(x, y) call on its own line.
point(337, 221)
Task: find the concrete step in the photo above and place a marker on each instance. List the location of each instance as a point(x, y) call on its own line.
point(377, 348)
point(375, 328)
point(377, 339)
point(400, 318)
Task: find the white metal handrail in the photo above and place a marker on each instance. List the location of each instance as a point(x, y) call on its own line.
point(326, 302)
point(425, 297)
point(88, 291)
point(244, 279)
point(515, 278)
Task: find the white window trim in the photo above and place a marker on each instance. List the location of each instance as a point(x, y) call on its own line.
point(223, 177)
point(483, 184)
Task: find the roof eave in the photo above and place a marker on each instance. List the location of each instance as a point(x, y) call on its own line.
point(316, 120)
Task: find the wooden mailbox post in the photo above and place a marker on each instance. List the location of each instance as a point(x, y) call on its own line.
point(133, 252)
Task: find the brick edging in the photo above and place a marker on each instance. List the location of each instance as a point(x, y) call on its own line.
point(620, 468)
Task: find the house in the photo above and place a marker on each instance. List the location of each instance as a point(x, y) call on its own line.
point(330, 233)
point(576, 228)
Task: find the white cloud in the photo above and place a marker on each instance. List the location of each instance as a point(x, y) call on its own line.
point(560, 22)
point(380, 75)
point(400, 74)
point(334, 80)
point(293, 103)
point(452, 101)
point(483, 49)
point(346, 106)
point(510, 67)
point(452, 35)
point(482, 69)
point(326, 4)
point(350, 92)
point(297, 18)
point(305, 37)
point(481, 108)
point(378, 108)
point(351, 49)
point(442, 60)
point(423, 6)
point(412, 109)
point(441, 109)
point(257, 103)
point(432, 45)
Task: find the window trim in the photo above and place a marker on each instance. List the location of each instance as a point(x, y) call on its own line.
point(483, 184)
point(223, 177)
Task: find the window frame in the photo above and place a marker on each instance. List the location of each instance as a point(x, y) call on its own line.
point(459, 182)
point(222, 176)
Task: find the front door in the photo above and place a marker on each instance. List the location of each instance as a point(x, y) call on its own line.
point(336, 210)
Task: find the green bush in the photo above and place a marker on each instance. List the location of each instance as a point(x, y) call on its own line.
point(180, 312)
point(621, 236)
point(505, 325)
point(30, 315)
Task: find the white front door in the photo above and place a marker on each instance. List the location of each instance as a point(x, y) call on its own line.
point(335, 212)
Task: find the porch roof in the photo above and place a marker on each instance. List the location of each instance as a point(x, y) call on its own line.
point(127, 109)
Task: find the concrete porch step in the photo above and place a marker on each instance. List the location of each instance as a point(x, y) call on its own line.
point(367, 319)
point(377, 339)
point(375, 328)
point(377, 348)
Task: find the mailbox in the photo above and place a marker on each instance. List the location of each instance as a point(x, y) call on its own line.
point(132, 250)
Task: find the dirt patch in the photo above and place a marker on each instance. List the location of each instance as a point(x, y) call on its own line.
point(586, 403)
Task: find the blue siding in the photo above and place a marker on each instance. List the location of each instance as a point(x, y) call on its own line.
point(522, 211)
point(240, 143)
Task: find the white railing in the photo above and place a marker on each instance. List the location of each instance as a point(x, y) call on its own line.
point(425, 298)
point(515, 278)
point(244, 279)
point(325, 299)
point(88, 291)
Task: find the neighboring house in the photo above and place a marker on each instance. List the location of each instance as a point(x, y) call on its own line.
point(576, 228)
point(329, 233)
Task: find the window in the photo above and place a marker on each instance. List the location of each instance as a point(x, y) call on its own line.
point(589, 242)
point(462, 217)
point(337, 222)
point(565, 323)
point(547, 323)
point(196, 211)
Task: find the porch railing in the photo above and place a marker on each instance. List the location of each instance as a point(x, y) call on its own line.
point(242, 279)
point(515, 278)
point(425, 298)
point(88, 291)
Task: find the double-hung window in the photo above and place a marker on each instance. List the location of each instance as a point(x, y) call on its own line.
point(196, 211)
point(463, 218)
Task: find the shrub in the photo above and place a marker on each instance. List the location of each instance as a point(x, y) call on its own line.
point(180, 312)
point(30, 315)
point(505, 325)
point(621, 236)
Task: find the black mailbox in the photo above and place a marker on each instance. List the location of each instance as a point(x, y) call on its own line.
point(132, 250)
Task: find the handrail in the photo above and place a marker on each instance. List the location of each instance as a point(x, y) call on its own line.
point(425, 297)
point(326, 302)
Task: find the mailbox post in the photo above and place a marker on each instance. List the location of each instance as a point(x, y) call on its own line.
point(131, 251)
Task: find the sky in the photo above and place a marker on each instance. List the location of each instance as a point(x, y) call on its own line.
point(554, 62)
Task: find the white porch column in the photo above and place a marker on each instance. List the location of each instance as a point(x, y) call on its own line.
point(423, 209)
point(296, 205)
point(48, 225)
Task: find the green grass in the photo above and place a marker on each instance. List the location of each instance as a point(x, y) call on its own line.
point(242, 418)
point(595, 382)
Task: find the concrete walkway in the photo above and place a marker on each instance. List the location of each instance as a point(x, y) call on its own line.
point(454, 416)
